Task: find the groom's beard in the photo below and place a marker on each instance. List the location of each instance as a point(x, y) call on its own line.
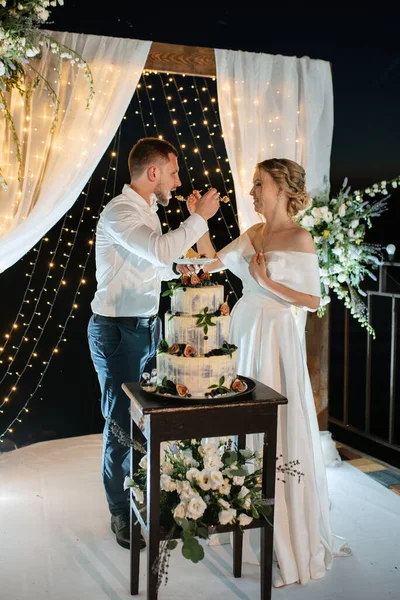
point(161, 196)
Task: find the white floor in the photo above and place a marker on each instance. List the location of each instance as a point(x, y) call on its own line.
point(55, 540)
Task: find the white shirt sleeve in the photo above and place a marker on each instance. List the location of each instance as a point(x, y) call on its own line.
point(125, 226)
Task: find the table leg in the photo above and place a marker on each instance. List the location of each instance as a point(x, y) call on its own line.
point(153, 513)
point(268, 491)
point(135, 527)
point(237, 534)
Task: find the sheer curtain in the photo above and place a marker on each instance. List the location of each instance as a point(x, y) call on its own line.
point(274, 106)
point(56, 165)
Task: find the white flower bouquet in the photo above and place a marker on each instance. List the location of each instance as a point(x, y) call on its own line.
point(338, 226)
point(204, 486)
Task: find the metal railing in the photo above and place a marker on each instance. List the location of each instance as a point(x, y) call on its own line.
point(364, 399)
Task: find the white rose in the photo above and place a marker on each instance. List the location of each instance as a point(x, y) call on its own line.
point(224, 503)
point(42, 13)
point(212, 462)
point(216, 479)
point(143, 462)
point(244, 519)
point(192, 473)
point(196, 507)
point(225, 489)
point(188, 458)
point(247, 503)
point(166, 483)
point(2, 68)
point(238, 480)
point(259, 452)
point(227, 516)
point(307, 221)
point(180, 511)
point(340, 237)
point(185, 490)
point(342, 209)
point(209, 448)
point(167, 467)
point(243, 492)
point(354, 224)
point(204, 480)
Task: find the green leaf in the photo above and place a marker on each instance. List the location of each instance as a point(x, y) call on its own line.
point(230, 458)
point(171, 317)
point(171, 544)
point(214, 385)
point(164, 381)
point(186, 525)
point(238, 472)
point(205, 329)
point(197, 553)
point(221, 381)
point(202, 532)
point(187, 553)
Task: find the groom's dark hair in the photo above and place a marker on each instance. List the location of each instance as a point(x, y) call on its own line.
point(148, 151)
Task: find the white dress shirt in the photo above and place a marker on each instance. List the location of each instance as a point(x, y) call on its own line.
point(133, 256)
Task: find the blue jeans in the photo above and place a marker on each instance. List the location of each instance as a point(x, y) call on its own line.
point(120, 348)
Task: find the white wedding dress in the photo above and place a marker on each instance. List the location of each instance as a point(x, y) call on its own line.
point(269, 334)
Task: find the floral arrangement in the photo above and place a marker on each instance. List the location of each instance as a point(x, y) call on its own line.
point(21, 40)
point(204, 484)
point(338, 226)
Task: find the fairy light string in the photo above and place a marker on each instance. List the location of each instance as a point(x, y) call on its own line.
point(74, 305)
point(151, 113)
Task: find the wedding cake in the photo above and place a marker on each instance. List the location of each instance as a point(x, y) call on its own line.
point(195, 358)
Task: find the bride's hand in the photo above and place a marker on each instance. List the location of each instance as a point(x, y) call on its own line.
point(191, 201)
point(258, 268)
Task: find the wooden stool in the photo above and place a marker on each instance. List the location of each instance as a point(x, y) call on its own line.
point(162, 419)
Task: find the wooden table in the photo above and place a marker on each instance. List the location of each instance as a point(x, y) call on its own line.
point(165, 418)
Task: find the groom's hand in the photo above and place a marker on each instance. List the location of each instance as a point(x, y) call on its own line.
point(207, 205)
point(185, 269)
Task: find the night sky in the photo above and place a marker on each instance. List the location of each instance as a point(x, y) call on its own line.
point(365, 55)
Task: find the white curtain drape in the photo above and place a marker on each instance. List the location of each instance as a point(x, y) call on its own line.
point(58, 164)
point(274, 106)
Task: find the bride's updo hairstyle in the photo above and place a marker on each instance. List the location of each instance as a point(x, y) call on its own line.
point(291, 178)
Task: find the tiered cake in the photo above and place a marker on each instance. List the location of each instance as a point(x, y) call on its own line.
point(195, 357)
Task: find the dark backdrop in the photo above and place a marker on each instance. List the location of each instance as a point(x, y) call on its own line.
point(363, 51)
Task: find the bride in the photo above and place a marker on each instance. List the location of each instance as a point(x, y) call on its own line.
point(278, 266)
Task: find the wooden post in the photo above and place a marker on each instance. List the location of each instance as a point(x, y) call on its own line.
point(317, 343)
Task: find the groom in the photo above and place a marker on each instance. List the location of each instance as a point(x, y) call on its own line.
point(132, 258)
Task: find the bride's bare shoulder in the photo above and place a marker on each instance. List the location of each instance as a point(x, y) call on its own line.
point(254, 230)
point(302, 240)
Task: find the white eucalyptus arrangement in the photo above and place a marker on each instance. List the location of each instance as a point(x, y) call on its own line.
point(338, 225)
point(21, 43)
